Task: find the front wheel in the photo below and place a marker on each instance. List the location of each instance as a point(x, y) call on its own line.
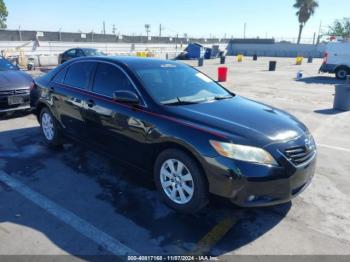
point(180, 181)
point(342, 72)
point(49, 128)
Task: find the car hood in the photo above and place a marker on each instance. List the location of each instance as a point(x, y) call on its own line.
point(13, 79)
point(243, 119)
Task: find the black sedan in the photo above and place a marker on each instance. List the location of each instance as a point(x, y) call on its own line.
point(78, 52)
point(171, 120)
point(14, 87)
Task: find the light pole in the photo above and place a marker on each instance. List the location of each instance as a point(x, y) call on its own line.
point(148, 29)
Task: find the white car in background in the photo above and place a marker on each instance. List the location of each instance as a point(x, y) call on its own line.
point(337, 59)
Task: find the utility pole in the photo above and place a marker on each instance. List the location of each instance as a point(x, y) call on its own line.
point(245, 29)
point(161, 28)
point(319, 33)
point(59, 34)
point(20, 33)
point(104, 27)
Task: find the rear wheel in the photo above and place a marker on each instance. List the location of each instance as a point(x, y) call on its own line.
point(180, 181)
point(49, 128)
point(342, 72)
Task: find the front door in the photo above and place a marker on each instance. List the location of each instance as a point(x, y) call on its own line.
point(120, 129)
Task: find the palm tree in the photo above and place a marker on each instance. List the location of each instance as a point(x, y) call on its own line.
point(306, 10)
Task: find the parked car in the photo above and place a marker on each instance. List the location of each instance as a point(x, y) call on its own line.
point(337, 60)
point(78, 52)
point(169, 119)
point(14, 87)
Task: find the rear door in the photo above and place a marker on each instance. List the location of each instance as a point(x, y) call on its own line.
point(343, 54)
point(70, 93)
point(338, 54)
point(118, 128)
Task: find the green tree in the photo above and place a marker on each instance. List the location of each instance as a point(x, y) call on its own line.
point(340, 28)
point(3, 14)
point(306, 8)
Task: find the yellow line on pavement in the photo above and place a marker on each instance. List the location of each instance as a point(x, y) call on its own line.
point(215, 235)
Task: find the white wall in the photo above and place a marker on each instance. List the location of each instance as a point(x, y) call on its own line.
point(277, 50)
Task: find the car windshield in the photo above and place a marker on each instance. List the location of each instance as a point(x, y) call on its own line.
point(6, 65)
point(170, 83)
point(93, 52)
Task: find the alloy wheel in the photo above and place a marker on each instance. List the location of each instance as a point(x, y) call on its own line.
point(177, 181)
point(47, 126)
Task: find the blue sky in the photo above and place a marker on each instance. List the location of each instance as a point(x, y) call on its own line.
point(197, 18)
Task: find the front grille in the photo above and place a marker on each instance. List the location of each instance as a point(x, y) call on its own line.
point(299, 155)
point(4, 94)
point(14, 92)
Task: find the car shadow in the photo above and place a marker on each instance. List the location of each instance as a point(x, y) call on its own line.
point(14, 114)
point(329, 111)
point(131, 194)
point(322, 80)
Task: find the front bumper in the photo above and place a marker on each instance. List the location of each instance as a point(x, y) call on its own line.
point(6, 107)
point(250, 185)
point(328, 68)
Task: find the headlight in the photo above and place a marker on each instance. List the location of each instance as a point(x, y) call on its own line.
point(244, 153)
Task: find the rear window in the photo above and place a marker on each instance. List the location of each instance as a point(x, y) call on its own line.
point(59, 78)
point(78, 74)
point(6, 65)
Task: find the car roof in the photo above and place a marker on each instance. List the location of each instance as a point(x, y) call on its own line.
point(133, 61)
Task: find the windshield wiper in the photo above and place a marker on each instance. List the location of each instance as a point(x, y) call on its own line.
point(183, 102)
point(222, 97)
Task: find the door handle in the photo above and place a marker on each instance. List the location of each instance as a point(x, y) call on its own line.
point(90, 103)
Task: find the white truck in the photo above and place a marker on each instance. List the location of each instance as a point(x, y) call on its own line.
point(337, 59)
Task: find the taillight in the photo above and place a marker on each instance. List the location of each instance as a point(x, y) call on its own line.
point(31, 87)
point(325, 58)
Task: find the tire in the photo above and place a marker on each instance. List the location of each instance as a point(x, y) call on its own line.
point(185, 202)
point(342, 72)
point(50, 128)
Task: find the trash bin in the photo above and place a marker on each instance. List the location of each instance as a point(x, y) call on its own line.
point(222, 60)
point(222, 74)
point(272, 65)
point(342, 98)
point(239, 58)
point(310, 59)
point(255, 57)
point(299, 60)
point(200, 61)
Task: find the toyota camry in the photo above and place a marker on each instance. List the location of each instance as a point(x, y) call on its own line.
point(168, 119)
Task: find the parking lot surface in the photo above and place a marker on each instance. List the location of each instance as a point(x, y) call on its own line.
point(77, 201)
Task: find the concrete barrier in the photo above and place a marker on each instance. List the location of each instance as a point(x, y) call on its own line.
point(48, 60)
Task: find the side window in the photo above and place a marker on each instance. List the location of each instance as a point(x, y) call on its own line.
point(80, 52)
point(78, 74)
point(108, 79)
point(59, 78)
point(71, 53)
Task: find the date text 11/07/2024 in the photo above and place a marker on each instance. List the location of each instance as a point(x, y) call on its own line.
point(172, 258)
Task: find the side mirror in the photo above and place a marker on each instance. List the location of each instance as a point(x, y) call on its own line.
point(126, 97)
